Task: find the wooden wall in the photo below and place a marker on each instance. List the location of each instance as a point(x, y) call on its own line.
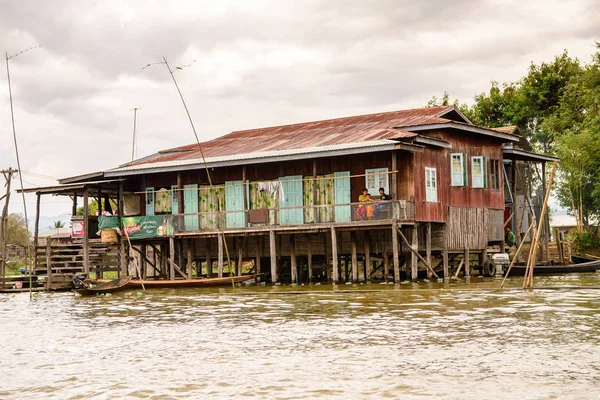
point(473, 228)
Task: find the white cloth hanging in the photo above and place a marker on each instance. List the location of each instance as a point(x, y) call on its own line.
point(274, 188)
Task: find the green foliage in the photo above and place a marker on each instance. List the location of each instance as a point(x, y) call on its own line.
point(57, 225)
point(17, 230)
point(584, 241)
point(93, 207)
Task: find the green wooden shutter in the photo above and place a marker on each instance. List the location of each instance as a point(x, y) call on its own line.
point(485, 172)
point(174, 200)
point(292, 190)
point(190, 206)
point(234, 201)
point(341, 195)
point(465, 170)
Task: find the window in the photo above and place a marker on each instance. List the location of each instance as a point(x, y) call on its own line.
point(376, 178)
point(479, 172)
point(459, 169)
point(494, 175)
point(430, 185)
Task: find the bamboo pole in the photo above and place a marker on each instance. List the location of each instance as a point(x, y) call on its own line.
point(515, 256)
point(528, 279)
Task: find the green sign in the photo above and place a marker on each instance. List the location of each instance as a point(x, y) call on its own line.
point(149, 227)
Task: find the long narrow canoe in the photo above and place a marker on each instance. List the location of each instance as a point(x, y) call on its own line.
point(592, 266)
point(111, 286)
point(582, 259)
point(184, 283)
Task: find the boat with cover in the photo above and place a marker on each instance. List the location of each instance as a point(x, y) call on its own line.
point(110, 286)
point(591, 266)
point(184, 283)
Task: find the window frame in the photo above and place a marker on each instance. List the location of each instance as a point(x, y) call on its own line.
point(495, 178)
point(459, 179)
point(431, 176)
point(482, 175)
point(377, 173)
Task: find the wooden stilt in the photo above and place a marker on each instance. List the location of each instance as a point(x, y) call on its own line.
point(327, 258)
point(86, 231)
point(122, 244)
point(334, 256)
point(414, 261)
point(143, 260)
point(220, 256)
point(190, 258)
point(171, 258)
point(467, 263)
point(293, 264)
point(240, 262)
point(445, 255)
point(395, 252)
point(386, 265)
point(36, 235)
point(428, 248)
point(209, 266)
point(273, 255)
point(309, 258)
point(354, 257)
point(367, 257)
point(259, 242)
point(48, 263)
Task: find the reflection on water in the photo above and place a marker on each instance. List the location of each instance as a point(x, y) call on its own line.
point(458, 340)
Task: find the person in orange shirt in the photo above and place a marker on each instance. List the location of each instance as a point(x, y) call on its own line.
point(370, 208)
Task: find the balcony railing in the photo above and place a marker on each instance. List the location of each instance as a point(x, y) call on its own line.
point(294, 216)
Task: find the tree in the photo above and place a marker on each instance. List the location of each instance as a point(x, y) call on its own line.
point(57, 225)
point(93, 207)
point(16, 230)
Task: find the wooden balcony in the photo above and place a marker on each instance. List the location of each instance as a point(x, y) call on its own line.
point(306, 218)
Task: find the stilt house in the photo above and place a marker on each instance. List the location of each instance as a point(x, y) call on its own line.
point(283, 201)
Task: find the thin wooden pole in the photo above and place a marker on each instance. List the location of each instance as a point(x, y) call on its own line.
point(171, 258)
point(273, 256)
point(386, 265)
point(190, 258)
point(354, 257)
point(515, 256)
point(445, 254)
point(428, 247)
point(309, 258)
point(220, 255)
point(334, 256)
point(240, 261)
point(36, 234)
point(367, 257)
point(528, 280)
point(86, 231)
point(395, 251)
point(209, 269)
point(293, 263)
point(467, 263)
point(414, 247)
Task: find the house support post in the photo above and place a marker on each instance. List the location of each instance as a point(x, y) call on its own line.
point(414, 261)
point(395, 252)
point(36, 235)
point(209, 269)
point(220, 256)
point(240, 261)
point(367, 257)
point(467, 263)
point(259, 242)
point(386, 265)
point(354, 257)
point(293, 263)
point(309, 257)
point(334, 257)
point(171, 258)
point(445, 255)
point(190, 258)
point(86, 231)
point(124, 256)
point(273, 256)
point(428, 248)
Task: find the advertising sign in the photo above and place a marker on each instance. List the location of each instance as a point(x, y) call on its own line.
point(149, 227)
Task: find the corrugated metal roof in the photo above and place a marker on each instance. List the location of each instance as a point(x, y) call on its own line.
point(307, 135)
point(373, 145)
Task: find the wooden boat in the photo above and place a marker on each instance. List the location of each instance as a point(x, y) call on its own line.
point(107, 287)
point(592, 266)
point(582, 259)
point(184, 283)
point(21, 290)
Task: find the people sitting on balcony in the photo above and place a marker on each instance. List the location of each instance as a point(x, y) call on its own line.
point(369, 207)
point(382, 209)
point(361, 210)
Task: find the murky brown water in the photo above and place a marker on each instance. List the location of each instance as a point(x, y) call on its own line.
point(457, 341)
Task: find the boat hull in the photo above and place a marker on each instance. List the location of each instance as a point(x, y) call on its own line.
point(593, 266)
point(185, 283)
point(109, 286)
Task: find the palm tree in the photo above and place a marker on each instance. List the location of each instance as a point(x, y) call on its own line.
point(57, 225)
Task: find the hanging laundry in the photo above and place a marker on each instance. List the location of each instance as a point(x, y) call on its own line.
point(274, 188)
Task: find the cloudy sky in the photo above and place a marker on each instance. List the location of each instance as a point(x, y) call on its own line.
point(249, 64)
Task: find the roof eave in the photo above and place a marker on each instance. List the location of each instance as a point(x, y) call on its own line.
point(462, 127)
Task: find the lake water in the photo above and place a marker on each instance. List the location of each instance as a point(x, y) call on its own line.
point(461, 340)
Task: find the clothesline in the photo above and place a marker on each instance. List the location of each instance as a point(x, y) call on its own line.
point(307, 179)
